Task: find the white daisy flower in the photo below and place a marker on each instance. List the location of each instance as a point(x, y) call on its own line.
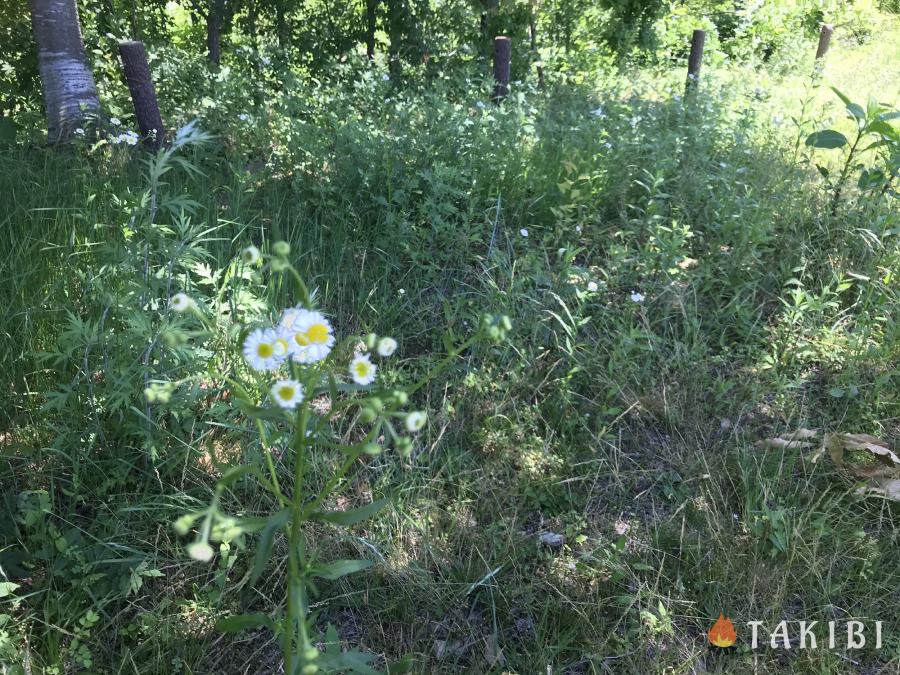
point(201, 551)
point(637, 297)
point(287, 393)
point(362, 370)
point(282, 347)
point(524, 232)
point(309, 335)
point(415, 421)
point(115, 121)
point(79, 131)
point(261, 349)
point(251, 255)
point(130, 138)
point(181, 302)
point(386, 346)
point(243, 117)
point(592, 286)
point(385, 77)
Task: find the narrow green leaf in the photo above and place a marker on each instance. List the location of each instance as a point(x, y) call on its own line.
point(828, 139)
point(841, 96)
point(264, 547)
point(351, 516)
point(239, 622)
point(856, 110)
point(339, 568)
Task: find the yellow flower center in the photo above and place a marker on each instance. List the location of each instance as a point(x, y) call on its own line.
point(281, 346)
point(362, 369)
point(286, 392)
point(315, 334)
point(265, 350)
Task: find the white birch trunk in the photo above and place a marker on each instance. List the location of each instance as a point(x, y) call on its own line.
point(68, 85)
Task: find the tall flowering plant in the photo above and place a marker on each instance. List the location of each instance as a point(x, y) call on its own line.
point(310, 381)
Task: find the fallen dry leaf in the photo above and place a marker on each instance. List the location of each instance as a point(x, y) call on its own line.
point(863, 455)
point(889, 487)
point(795, 439)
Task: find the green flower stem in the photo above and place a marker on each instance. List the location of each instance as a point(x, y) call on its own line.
point(301, 286)
point(440, 367)
point(296, 639)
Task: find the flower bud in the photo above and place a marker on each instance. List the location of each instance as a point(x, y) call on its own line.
point(281, 248)
point(372, 449)
point(367, 416)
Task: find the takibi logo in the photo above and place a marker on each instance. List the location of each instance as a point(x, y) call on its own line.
point(722, 632)
point(723, 635)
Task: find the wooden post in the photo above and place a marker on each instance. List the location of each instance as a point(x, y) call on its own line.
point(143, 93)
point(695, 59)
point(502, 55)
point(824, 40)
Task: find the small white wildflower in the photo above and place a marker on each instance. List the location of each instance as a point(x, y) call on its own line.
point(251, 255)
point(261, 349)
point(777, 120)
point(385, 77)
point(637, 297)
point(362, 370)
point(130, 138)
point(607, 145)
point(309, 334)
point(265, 60)
point(200, 550)
point(480, 104)
point(243, 117)
point(401, 291)
point(415, 421)
point(287, 393)
point(386, 346)
point(181, 302)
point(578, 229)
point(592, 286)
point(79, 131)
point(524, 232)
point(115, 121)
point(598, 112)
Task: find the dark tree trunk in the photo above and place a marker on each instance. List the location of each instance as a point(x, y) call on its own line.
point(532, 32)
point(281, 25)
point(214, 37)
point(67, 82)
point(502, 57)
point(143, 93)
point(371, 26)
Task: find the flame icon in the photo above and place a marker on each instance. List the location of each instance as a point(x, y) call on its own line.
point(722, 633)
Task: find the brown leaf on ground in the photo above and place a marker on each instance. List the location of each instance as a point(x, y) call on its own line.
point(882, 485)
point(863, 455)
point(795, 439)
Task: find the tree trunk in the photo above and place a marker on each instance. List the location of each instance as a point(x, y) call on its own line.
point(68, 85)
point(214, 36)
point(371, 25)
point(143, 93)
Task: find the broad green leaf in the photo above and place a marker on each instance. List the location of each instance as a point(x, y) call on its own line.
point(351, 516)
point(842, 96)
point(885, 129)
point(239, 622)
point(856, 110)
point(7, 588)
point(340, 568)
point(828, 139)
point(264, 546)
